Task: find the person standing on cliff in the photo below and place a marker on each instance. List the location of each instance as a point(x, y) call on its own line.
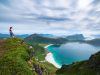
point(11, 32)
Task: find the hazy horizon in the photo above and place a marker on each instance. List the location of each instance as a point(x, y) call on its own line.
point(59, 17)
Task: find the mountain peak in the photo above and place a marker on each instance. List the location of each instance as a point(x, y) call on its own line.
point(76, 37)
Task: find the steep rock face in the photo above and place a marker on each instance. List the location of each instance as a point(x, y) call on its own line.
point(88, 67)
point(76, 37)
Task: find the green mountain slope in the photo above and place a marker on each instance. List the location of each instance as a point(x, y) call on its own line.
point(37, 39)
point(89, 67)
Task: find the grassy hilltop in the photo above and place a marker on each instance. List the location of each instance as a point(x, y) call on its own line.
point(16, 59)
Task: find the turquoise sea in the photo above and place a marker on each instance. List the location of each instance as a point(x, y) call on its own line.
point(72, 52)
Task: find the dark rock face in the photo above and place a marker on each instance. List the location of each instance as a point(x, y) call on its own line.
point(39, 70)
point(94, 61)
point(88, 67)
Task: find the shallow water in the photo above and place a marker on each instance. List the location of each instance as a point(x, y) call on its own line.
point(72, 52)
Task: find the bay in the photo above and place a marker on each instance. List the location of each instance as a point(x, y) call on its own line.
point(72, 52)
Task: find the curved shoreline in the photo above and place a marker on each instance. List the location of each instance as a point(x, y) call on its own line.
point(49, 57)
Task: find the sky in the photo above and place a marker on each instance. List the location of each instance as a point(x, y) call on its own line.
point(60, 17)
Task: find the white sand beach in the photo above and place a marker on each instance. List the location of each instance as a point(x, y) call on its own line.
point(49, 57)
point(51, 60)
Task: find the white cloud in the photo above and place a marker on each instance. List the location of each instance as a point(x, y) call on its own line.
point(64, 16)
point(84, 4)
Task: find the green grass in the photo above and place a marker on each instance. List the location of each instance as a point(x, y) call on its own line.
point(14, 60)
point(40, 52)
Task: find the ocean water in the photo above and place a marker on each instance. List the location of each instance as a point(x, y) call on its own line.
point(72, 52)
